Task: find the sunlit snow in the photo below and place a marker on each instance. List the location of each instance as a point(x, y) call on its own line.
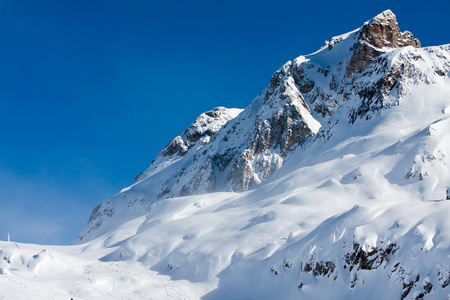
point(362, 214)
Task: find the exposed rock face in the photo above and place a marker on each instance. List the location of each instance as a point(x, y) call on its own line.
point(319, 268)
point(356, 260)
point(383, 31)
point(281, 124)
point(369, 260)
point(289, 126)
point(206, 125)
point(380, 32)
point(391, 79)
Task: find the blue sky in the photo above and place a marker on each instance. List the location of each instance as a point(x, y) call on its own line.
point(90, 91)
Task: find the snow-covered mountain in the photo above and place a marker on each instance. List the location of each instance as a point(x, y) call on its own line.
point(332, 183)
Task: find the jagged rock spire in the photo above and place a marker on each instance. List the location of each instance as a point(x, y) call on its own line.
point(374, 37)
point(383, 31)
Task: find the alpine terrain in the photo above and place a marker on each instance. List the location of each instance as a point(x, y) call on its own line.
point(333, 183)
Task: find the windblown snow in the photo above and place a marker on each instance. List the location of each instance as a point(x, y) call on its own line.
point(331, 184)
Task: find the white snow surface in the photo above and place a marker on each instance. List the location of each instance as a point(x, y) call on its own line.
point(358, 212)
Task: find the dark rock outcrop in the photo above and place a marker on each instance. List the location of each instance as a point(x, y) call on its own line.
point(369, 260)
point(207, 124)
point(380, 32)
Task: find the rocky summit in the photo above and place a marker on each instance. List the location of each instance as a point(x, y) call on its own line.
point(377, 34)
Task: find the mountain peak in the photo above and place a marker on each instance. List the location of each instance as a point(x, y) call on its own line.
point(386, 15)
point(382, 31)
point(377, 36)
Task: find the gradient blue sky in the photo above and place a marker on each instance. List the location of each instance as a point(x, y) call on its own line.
point(90, 91)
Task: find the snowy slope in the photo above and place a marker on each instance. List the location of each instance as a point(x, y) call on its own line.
point(331, 184)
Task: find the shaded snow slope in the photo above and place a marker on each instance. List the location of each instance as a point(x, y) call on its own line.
point(331, 184)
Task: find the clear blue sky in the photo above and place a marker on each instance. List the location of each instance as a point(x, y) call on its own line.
point(90, 91)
